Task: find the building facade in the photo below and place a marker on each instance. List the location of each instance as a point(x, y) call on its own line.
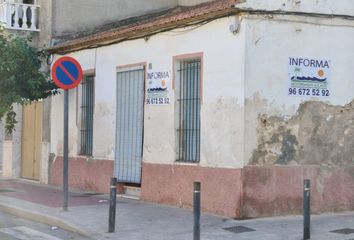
point(248, 97)
point(26, 153)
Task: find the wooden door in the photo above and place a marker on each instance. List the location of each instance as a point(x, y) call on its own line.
point(31, 140)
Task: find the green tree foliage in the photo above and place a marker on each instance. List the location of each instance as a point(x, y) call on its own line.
point(21, 80)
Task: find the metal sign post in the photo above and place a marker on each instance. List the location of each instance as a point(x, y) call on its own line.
point(66, 150)
point(66, 74)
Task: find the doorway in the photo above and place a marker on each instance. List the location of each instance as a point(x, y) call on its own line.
point(31, 140)
point(130, 123)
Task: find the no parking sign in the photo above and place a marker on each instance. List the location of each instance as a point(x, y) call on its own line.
point(66, 73)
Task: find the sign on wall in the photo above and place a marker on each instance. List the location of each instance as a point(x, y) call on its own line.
point(309, 77)
point(158, 87)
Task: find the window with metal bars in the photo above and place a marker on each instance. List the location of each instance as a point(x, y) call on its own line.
point(188, 109)
point(86, 126)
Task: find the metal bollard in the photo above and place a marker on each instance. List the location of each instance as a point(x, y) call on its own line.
point(196, 211)
point(112, 205)
point(307, 210)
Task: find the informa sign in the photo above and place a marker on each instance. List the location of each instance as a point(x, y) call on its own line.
point(308, 77)
point(158, 87)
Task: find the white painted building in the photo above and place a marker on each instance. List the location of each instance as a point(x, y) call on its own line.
point(252, 98)
point(24, 153)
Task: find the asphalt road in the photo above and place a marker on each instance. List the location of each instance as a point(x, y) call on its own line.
point(14, 228)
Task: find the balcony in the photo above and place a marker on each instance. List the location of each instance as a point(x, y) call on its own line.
point(19, 16)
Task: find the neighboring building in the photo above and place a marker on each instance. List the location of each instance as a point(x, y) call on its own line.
point(72, 18)
point(248, 97)
point(25, 152)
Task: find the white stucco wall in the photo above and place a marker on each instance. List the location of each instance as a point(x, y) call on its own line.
point(270, 43)
point(342, 7)
point(244, 75)
point(11, 165)
point(222, 103)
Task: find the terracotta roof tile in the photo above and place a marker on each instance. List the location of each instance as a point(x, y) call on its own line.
point(168, 21)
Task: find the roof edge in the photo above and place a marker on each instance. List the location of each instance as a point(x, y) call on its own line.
point(191, 16)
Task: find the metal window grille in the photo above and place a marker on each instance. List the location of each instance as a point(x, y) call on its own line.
point(87, 104)
point(188, 102)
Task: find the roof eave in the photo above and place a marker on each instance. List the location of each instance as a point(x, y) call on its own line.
point(136, 31)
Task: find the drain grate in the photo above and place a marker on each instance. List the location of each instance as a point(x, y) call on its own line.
point(344, 231)
point(239, 229)
point(6, 190)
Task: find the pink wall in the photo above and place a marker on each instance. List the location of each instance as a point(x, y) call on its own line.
point(93, 175)
point(254, 191)
point(173, 184)
point(278, 190)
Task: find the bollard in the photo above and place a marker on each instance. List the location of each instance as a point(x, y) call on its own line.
point(196, 211)
point(112, 205)
point(307, 210)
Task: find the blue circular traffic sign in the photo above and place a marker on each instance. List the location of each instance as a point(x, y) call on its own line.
point(66, 73)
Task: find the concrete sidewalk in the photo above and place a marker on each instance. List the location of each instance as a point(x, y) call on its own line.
point(137, 220)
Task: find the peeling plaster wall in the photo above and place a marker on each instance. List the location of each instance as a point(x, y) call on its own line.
point(270, 43)
point(221, 108)
point(288, 138)
point(319, 134)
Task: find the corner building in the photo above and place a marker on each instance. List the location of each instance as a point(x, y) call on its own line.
point(207, 93)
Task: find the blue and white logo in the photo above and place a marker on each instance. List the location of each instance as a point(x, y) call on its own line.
point(308, 77)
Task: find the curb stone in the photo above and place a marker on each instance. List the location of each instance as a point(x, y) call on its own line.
point(46, 219)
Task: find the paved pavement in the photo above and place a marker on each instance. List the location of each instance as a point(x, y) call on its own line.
point(137, 220)
point(16, 228)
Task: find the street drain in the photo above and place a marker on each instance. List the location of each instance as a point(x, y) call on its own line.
point(6, 190)
point(344, 231)
point(239, 229)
